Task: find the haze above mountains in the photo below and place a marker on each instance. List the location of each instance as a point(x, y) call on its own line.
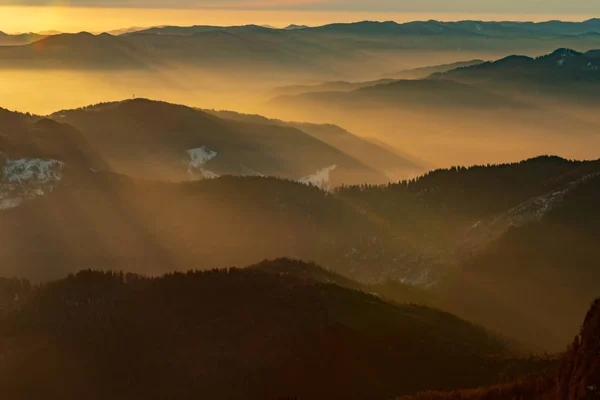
point(248, 68)
point(426, 192)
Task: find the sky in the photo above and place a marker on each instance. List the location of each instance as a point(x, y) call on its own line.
point(97, 15)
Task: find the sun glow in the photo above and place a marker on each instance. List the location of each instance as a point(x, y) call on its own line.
point(75, 19)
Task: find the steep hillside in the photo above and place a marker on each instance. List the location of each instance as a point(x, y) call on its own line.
point(576, 379)
point(184, 143)
point(535, 281)
point(182, 331)
point(107, 221)
point(33, 153)
point(391, 291)
point(413, 232)
point(484, 190)
point(378, 156)
point(579, 375)
point(462, 208)
point(506, 238)
point(522, 238)
point(45, 138)
point(30, 136)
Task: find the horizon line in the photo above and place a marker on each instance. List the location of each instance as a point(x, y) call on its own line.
point(32, 18)
point(283, 26)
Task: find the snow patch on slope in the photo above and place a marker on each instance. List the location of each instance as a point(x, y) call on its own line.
point(31, 169)
point(209, 174)
point(533, 210)
point(9, 203)
point(321, 178)
point(247, 171)
point(566, 53)
point(200, 156)
point(197, 158)
point(26, 178)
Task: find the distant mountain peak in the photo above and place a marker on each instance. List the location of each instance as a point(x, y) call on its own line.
point(48, 33)
point(68, 38)
point(295, 27)
point(565, 51)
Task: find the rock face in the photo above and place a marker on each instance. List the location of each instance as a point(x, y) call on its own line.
point(579, 375)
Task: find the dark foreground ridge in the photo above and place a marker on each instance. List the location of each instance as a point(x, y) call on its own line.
point(233, 334)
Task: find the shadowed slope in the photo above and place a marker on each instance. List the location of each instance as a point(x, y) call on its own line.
point(577, 378)
point(182, 332)
point(130, 133)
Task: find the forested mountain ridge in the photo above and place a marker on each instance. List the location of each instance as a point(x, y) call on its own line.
point(521, 237)
point(300, 338)
point(407, 231)
point(483, 190)
point(391, 291)
point(453, 206)
point(517, 106)
point(477, 86)
point(33, 153)
point(411, 232)
point(432, 27)
point(34, 137)
point(562, 66)
point(539, 276)
point(90, 215)
point(326, 51)
point(382, 217)
point(385, 159)
point(128, 133)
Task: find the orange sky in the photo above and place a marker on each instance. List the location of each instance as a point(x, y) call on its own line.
point(74, 19)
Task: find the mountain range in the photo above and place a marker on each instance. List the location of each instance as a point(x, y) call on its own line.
point(383, 218)
point(20, 39)
point(483, 105)
point(560, 72)
point(330, 50)
point(129, 133)
point(563, 68)
point(447, 232)
point(300, 337)
point(377, 155)
point(431, 27)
